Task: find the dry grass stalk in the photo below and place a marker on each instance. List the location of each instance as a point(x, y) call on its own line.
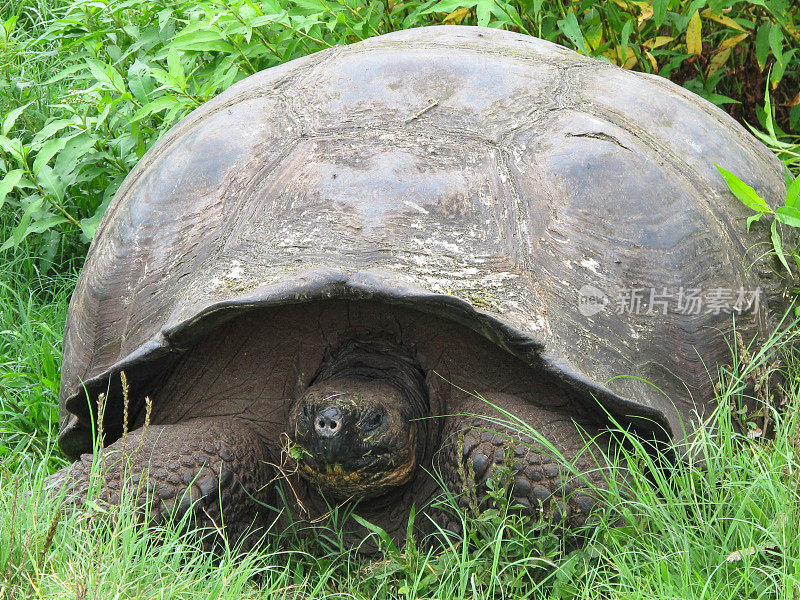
point(101, 415)
point(48, 540)
point(12, 531)
point(283, 471)
point(148, 412)
point(125, 406)
point(125, 423)
point(759, 374)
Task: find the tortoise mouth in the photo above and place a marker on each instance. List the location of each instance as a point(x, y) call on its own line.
point(374, 478)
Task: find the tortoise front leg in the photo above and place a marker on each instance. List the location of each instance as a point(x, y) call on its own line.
point(475, 445)
point(217, 468)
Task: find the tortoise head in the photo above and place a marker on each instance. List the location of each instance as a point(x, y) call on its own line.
point(358, 427)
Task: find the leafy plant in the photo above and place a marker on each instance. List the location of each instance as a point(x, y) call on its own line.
point(786, 147)
point(719, 49)
point(788, 214)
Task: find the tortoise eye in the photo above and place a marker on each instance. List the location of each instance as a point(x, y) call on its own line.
point(372, 421)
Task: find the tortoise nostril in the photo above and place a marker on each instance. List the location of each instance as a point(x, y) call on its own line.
point(328, 422)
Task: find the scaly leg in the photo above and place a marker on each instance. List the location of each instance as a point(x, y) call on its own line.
point(474, 446)
point(217, 468)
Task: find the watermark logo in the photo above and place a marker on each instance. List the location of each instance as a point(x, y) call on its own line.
point(591, 300)
point(661, 301)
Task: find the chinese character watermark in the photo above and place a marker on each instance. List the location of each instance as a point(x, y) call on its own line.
point(663, 301)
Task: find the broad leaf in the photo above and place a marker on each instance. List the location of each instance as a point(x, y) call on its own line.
point(19, 232)
point(793, 193)
point(51, 183)
point(789, 215)
point(744, 192)
point(762, 44)
point(776, 244)
point(8, 183)
point(12, 117)
point(572, 29)
point(48, 151)
point(626, 33)
point(694, 39)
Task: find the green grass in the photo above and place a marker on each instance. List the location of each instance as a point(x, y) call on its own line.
point(33, 308)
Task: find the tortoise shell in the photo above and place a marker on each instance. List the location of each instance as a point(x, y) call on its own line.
point(565, 209)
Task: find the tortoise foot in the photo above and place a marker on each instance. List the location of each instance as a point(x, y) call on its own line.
point(555, 473)
point(216, 469)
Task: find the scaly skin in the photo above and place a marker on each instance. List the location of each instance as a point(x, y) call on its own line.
point(217, 468)
point(543, 485)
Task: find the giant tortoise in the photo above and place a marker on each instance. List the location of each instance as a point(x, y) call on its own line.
point(324, 284)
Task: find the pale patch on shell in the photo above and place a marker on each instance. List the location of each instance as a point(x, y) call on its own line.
point(416, 207)
point(591, 264)
point(236, 270)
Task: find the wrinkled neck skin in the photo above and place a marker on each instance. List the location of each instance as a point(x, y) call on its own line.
point(360, 430)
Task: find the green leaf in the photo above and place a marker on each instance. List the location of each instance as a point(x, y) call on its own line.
point(117, 81)
point(138, 78)
point(780, 66)
point(659, 11)
point(744, 192)
point(793, 193)
point(390, 547)
point(794, 117)
point(163, 18)
point(19, 232)
point(484, 10)
point(762, 44)
point(174, 65)
point(788, 215)
point(66, 72)
point(98, 70)
point(48, 131)
point(12, 117)
point(9, 23)
point(752, 219)
point(8, 183)
point(572, 29)
point(45, 224)
point(776, 244)
point(76, 149)
point(51, 183)
point(39, 226)
point(89, 225)
point(154, 106)
point(776, 42)
point(48, 151)
point(14, 147)
point(626, 34)
point(202, 40)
